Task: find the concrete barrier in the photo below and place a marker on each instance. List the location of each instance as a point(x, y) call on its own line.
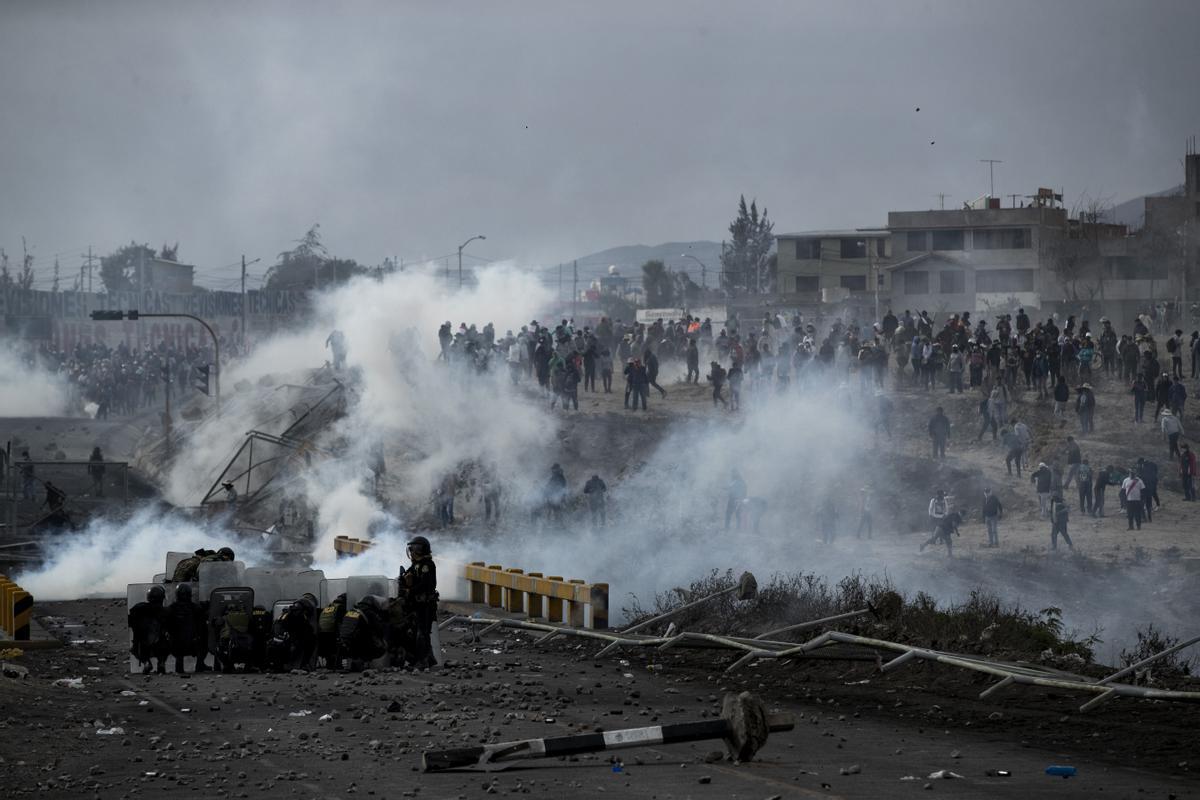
point(347, 546)
point(16, 610)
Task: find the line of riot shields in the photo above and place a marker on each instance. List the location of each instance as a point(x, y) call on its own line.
point(271, 620)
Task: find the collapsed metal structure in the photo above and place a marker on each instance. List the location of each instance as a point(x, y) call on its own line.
point(767, 649)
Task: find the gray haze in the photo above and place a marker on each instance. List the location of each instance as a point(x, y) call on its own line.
point(558, 128)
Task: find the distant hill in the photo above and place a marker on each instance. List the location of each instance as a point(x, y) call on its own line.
point(1132, 213)
point(629, 259)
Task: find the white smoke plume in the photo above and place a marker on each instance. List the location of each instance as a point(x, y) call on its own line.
point(30, 391)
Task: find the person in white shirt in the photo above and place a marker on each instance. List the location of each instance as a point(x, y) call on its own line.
point(1133, 488)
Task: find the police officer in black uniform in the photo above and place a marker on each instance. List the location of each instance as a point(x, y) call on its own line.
point(418, 590)
point(148, 621)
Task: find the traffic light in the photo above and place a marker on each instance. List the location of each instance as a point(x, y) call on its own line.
point(200, 378)
point(115, 316)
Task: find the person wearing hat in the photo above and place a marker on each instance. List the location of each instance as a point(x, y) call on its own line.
point(231, 495)
point(1187, 472)
point(1172, 428)
point(1043, 480)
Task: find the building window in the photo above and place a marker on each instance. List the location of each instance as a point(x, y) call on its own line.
point(855, 283)
point(916, 283)
point(948, 240)
point(1004, 281)
point(808, 283)
point(808, 249)
point(881, 248)
point(1001, 239)
point(918, 241)
point(854, 248)
point(952, 281)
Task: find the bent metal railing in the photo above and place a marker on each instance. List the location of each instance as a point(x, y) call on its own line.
point(755, 649)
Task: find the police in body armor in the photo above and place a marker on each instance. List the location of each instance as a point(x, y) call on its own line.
point(418, 592)
point(361, 634)
point(189, 568)
point(328, 623)
point(147, 620)
point(181, 625)
point(294, 641)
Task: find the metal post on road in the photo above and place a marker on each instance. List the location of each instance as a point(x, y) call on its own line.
point(460, 252)
point(133, 316)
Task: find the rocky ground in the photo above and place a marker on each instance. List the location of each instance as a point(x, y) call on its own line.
point(332, 735)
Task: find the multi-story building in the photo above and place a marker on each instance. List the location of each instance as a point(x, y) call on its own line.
point(833, 266)
point(972, 259)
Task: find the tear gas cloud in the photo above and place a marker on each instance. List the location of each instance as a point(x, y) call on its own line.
point(805, 454)
point(108, 555)
point(28, 390)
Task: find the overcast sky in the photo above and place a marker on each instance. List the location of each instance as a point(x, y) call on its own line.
point(562, 128)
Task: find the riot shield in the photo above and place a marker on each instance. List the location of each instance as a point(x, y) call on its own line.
point(359, 586)
point(136, 593)
point(217, 574)
point(268, 585)
point(221, 601)
point(173, 559)
point(331, 588)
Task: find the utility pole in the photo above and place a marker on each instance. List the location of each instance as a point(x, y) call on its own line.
point(243, 302)
point(942, 199)
point(574, 289)
point(991, 162)
point(560, 300)
point(141, 272)
point(90, 258)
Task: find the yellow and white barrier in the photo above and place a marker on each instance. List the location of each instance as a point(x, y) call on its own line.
point(16, 610)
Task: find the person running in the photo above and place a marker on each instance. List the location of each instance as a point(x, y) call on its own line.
point(1059, 513)
point(946, 529)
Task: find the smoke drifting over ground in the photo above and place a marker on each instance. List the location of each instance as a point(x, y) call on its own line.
point(27, 391)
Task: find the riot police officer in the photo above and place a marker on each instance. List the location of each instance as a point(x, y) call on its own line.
point(418, 591)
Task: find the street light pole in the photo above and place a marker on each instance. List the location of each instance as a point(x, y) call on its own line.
point(460, 251)
point(133, 314)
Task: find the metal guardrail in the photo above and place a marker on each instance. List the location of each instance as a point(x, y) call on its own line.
point(347, 546)
point(766, 649)
point(539, 596)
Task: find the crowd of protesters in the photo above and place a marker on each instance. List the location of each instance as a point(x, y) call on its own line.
point(121, 380)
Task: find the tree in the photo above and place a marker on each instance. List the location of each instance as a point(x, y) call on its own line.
point(308, 265)
point(25, 279)
point(169, 252)
point(5, 275)
point(658, 284)
point(119, 269)
point(746, 265)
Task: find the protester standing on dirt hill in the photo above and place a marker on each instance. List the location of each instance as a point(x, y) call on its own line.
point(1043, 479)
point(1073, 458)
point(1133, 487)
point(1147, 470)
point(1084, 476)
point(939, 507)
point(1162, 394)
point(1059, 513)
point(716, 376)
point(993, 512)
point(1175, 348)
point(939, 432)
point(1187, 473)
point(1140, 393)
point(1085, 408)
point(1101, 483)
point(1172, 428)
point(1177, 397)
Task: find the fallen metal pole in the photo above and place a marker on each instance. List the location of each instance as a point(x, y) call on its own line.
point(746, 588)
point(744, 726)
point(814, 623)
point(1150, 660)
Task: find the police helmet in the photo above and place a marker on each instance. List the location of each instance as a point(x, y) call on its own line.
point(419, 545)
point(226, 553)
point(156, 594)
point(183, 592)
